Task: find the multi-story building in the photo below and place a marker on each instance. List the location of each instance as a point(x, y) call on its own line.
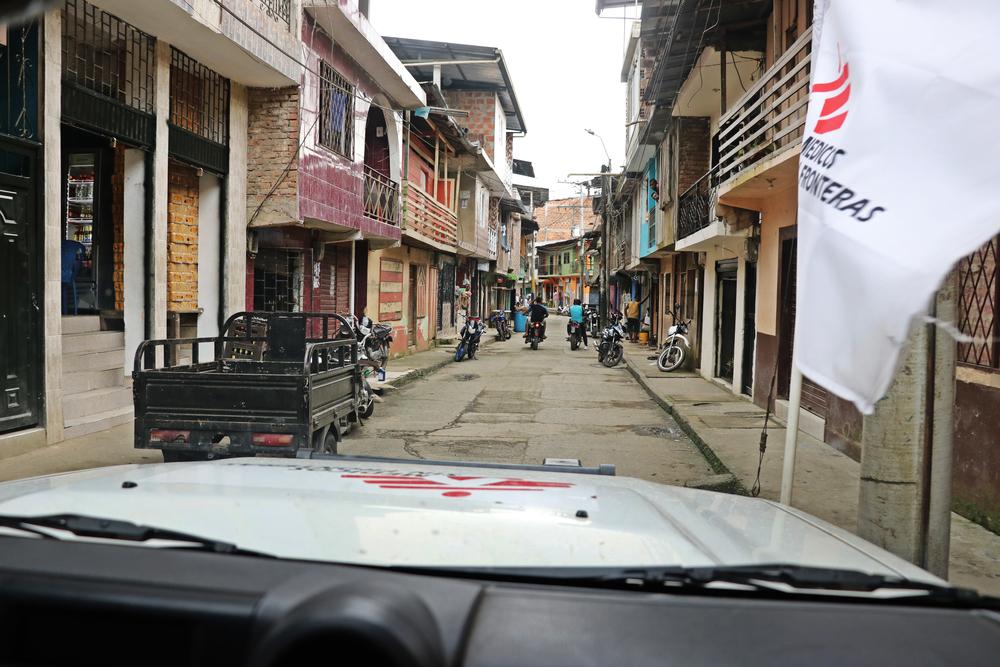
point(462, 156)
point(325, 170)
point(136, 228)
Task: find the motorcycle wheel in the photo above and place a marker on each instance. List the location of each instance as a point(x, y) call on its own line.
point(367, 395)
point(671, 358)
point(613, 356)
point(460, 352)
point(534, 344)
point(574, 342)
point(471, 354)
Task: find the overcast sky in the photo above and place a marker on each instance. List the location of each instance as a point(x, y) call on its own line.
point(564, 61)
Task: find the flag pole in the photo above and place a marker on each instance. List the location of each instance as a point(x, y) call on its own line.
point(791, 434)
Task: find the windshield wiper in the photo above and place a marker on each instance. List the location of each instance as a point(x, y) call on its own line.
point(803, 580)
point(114, 529)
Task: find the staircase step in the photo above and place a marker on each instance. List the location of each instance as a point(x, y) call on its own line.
point(95, 401)
point(75, 324)
point(93, 361)
point(75, 383)
point(92, 341)
point(100, 421)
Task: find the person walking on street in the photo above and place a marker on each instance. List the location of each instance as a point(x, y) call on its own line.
point(632, 319)
point(576, 315)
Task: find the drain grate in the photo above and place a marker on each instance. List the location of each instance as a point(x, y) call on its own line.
point(465, 377)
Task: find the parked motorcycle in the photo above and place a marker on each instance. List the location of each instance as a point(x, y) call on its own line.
point(610, 351)
point(575, 334)
point(675, 347)
point(533, 336)
point(593, 321)
point(501, 324)
point(471, 332)
point(373, 340)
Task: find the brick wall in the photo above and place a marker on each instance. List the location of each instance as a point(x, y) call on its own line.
point(272, 140)
point(118, 223)
point(510, 152)
point(693, 151)
point(182, 239)
point(481, 120)
point(557, 217)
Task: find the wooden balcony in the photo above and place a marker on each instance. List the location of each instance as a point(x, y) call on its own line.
point(768, 119)
point(428, 218)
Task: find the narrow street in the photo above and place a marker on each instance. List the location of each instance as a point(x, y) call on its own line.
point(515, 405)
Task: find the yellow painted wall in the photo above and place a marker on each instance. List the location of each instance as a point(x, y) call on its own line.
point(777, 211)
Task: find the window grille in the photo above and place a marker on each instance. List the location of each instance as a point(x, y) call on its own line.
point(277, 281)
point(978, 295)
point(107, 56)
point(199, 99)
point(336, 109)
point(19, 87)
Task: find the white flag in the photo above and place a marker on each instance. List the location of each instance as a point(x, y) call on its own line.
point(899, 177)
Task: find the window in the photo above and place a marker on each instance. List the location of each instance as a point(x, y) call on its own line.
point(277, 281)
point(336, 111)
point(199, 99)
point(978, 286)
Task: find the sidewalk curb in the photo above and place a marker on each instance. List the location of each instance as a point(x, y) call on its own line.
point(718, 467)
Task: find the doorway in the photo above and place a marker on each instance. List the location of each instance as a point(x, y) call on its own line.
point(725, 272)
point(19, 290)
point(749, 326)
point(814, 397)
point(411, 310)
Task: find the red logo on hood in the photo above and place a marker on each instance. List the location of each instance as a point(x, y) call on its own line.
point(833, 114)
point(456, 486)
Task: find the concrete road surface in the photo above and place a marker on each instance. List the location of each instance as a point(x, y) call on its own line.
point(515, 405)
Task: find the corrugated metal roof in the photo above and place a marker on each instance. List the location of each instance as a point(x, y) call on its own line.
point(488, 74)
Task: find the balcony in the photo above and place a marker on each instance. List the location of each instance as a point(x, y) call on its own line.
point(381, 198)
point(764, 127)
point(428, 220)
point(279, 11)
point(693, 207)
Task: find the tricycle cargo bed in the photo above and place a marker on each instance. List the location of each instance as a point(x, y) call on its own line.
point(267, 388)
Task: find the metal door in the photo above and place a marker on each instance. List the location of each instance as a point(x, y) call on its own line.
point(749, 326)
point(19, 299)
point(411, 311)
point(725, 319)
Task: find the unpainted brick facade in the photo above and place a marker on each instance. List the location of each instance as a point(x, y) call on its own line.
point(693, 149)
point(481, 121)
point(272, 143)
point(182, 239)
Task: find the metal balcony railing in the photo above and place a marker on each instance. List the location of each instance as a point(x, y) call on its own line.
point(769, 117)
point(381, 197)
point(278, 10)
point(694, 206)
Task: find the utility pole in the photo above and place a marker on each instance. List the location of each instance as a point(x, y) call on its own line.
point(580, 251)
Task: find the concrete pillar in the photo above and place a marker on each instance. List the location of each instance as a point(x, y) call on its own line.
point(209, 234)
point(891, 498)
point(235, 269)
point(134, 206)
point(158, 271)
point(51, 105)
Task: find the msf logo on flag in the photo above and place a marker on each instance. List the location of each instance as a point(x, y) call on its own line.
point(834, 111)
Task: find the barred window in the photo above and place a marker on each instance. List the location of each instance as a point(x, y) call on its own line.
point(199, 99)
point(336, 109)
point(978, 295)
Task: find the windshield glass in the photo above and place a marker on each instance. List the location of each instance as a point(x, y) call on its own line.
point(500, 284)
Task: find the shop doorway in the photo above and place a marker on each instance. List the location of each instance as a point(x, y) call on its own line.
point(411, 310)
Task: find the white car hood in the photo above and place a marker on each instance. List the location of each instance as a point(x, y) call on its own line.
point(389, 513)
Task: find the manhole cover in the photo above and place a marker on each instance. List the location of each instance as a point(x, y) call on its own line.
point(465, 377)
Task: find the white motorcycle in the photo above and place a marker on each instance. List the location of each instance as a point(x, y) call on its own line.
point(675, 347)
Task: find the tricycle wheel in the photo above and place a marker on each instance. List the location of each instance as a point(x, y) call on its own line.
point(325, 440)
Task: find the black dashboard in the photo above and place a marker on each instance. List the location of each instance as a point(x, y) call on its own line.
point(78, 603)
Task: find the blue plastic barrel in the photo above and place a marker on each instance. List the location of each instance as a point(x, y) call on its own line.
point(520, 322)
